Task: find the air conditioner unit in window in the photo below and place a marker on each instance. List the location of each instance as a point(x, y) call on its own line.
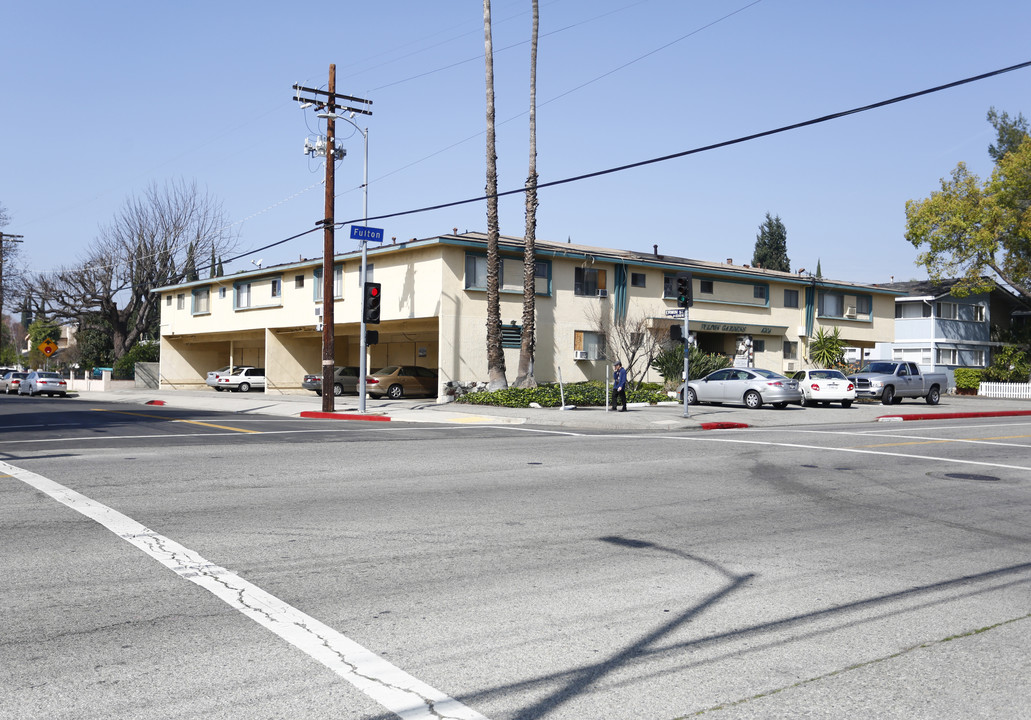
point(850, 312)
point(790, 367)
point(603, 293)
point(579, 354)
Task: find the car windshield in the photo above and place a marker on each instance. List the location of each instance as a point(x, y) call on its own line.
point(879, 367)
point(49, 375)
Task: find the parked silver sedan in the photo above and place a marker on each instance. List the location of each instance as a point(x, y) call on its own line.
point(40, 382)
point(10, 381)
point(751, 386)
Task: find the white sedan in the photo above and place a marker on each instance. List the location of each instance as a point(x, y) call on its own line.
point(825, 386)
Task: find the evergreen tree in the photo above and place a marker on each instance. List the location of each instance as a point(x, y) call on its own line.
point(771, 246)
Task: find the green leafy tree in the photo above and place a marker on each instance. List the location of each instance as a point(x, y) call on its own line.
point(827, 349)
point(979, 232)
point(1010, 365)
point(771, 245)
point(669, 363)
point(146, 351)
point(1010, 133)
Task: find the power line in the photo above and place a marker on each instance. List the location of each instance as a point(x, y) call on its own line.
point(714, 146)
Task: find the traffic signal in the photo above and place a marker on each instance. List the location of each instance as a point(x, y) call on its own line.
point(684, 290)
point(372, 337)
point(370, 315)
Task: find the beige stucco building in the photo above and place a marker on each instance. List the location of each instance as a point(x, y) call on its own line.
point(434, 310)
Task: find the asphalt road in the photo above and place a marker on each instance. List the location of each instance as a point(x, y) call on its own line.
point(168, 563)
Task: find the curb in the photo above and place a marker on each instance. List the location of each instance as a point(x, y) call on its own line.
point(319, 415)
point(954, 416)
point(723, 425)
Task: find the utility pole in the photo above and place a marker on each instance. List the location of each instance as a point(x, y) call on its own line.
point(4, 237)
point(328, 102)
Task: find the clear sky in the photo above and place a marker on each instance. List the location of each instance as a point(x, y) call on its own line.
point(102, 99)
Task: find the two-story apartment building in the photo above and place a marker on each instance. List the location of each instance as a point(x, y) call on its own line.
point(941, 332)
point(434, 309)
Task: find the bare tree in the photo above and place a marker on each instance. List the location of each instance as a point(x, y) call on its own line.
point(147, 245)
point(632, 340)
point(524, 374)
point(496, 379)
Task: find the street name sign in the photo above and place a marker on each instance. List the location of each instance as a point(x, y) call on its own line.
point(360, 232)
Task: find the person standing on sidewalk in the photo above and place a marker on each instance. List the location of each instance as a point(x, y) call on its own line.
point(619, 386)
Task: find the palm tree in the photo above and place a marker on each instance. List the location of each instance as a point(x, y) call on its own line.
point(496, 379)
point(524, 375)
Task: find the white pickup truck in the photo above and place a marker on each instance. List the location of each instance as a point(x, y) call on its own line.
point(892, 381)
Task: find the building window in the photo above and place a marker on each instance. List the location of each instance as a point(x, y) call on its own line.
point(978, 313)
point(588, 281)
point(511, 274)
point(168, 301)
point(864, 304)
point(277, 287)
point(705, 287)
point(298, 282)
point(201, 301)
point(243, 295)
point(791, 298)
point(511, 336)
point(921, 356)
point(180, 301)
point(832, 304)
point(637, 280)
point(947, 356)
point(977, 358)
point(759, 292)
point(593, 343)
point(912, 310)
point(222, 292)
point(790, 350)
point(338, 282)
point(758, 345)
point(948, 311)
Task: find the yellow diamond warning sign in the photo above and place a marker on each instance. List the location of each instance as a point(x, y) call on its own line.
point(48, 347)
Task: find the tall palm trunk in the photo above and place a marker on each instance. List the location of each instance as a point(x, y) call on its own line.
point(524, 375)
point(496, 379)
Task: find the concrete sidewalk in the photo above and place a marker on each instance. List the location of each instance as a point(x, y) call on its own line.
point(664, 416)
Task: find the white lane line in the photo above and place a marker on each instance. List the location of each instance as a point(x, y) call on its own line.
point(391, 687)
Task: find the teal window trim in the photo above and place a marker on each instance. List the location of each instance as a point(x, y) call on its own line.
point(501, 279)
point(193, 300)
point(338, 289)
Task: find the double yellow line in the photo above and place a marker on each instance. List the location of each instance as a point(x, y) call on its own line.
point(191, 422)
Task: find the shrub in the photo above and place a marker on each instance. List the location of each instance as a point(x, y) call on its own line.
point(968, 378)
point(670, 363)
point(582, 394)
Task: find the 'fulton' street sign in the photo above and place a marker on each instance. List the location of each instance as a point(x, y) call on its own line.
point(360, 232)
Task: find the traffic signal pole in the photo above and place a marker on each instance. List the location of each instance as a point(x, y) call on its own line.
point(685, 298)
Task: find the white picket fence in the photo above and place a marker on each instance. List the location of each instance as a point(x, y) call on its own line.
point(1016, 391)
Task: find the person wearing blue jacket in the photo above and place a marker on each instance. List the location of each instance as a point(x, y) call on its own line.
point(619, 386)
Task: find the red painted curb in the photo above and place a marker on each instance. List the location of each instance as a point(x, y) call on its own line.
point(956, 416)
point(342, 416)
point(722, 426)
point(155, 402)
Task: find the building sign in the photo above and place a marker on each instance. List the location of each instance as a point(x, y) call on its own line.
point(739, 329)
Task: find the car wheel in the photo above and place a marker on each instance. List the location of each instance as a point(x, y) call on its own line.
point(896, 400)
point(888, 396)
point(218, 389)
point(933, 396)
point(806, 402)
point(396, 392)
point(319, 393)
point(692, 397)
point(338, 389)
point(753, 399)
point(780, 405)
point(244, 387)
point(846, 403)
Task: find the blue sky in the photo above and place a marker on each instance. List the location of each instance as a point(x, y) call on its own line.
point(102, 99)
